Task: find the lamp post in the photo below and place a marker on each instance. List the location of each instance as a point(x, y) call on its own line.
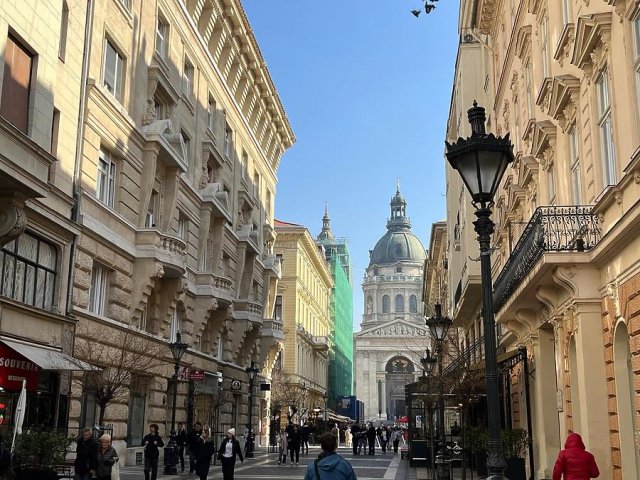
point(439, 327)
point(178, 349)
point(325, 397)
point(252, 371)
point(481, 161)
point(428, 364)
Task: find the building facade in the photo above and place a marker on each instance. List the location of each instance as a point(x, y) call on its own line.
point(182, 135)
point(393, 335)
point(336, 250)
point(303, 298)
point(561, 77)
point(40, 107)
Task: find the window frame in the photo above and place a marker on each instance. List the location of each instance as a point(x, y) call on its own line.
point(118, 74)
point(162, 37)
point(151, 217)
point(528, 84)
point(188, 75)
point(228, 140)
point(574, 164)
point(109, 175)
point(386, 304)
point(64, 30)
point(99, 286)
point(605, 126)
point(399, 302)
point(211, 113)
point(544, 46)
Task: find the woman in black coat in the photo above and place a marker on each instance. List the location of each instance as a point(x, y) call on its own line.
point(229, 449)
point(205, 451)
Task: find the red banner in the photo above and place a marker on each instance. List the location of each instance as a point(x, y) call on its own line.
point(14, 368)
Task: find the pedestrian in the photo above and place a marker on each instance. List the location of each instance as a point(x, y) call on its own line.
point(575, 462)
point(397, 433)
point(304, 438)
point(336, 431)
point(283, 447)
point(384, 438)
point(85, 464)
point(152, 443)
point(205, 451)
point(193, 443)
point(355, 432)
point(106, 458)
point(229, 449)
point(180, 438)
point(371, 437)
point(362, 444)
point(329, 465)
point(348, 438)
point(294, 445)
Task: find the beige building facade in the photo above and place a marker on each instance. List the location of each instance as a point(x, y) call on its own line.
point(303, 305)
point(181, 135)
point(561, 77)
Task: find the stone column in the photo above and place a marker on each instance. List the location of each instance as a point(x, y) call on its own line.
point(383, 398)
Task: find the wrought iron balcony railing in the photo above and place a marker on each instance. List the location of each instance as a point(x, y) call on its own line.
point(551, 229)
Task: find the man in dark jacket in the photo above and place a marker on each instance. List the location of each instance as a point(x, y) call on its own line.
point(229, 449)
point(181, 439)
point(371, 437)
point(193, 442)
point(86, 462)
point(304, 438)
point(355, 432)
point(574, 462)
point(294, 445)
point(329, 465)
point(152, 443)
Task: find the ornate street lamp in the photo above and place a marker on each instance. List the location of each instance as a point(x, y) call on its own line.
point(481, 161)
point(428, 363)
point(178, 349)
point(252, 371)
point(439, 327)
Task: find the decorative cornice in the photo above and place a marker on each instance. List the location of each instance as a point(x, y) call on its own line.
point(564, 99)
point(523, 42)
point(592, 32)
point(544, 137)
point(544, 94)
point(487, 12)
point(565, 43)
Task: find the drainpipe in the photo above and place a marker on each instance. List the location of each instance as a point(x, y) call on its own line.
point(525, 363)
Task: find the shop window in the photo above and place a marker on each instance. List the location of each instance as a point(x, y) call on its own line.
point(28, 271)
point(16, 84)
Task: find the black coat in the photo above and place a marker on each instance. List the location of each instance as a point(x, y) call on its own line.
point(150, 450)
point(294, 439)
point(203, 457)
point(237, 451)
point(86, 456)
point(194, 440)
point(181, 438)
point(371, 434)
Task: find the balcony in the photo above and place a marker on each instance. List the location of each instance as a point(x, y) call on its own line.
point(215, 195)
point(551, 229)
point(272, 328)
point(248, 235)
point(320, 343)
point(167, 250)
point(248, 310)
point(215, 285)
point(273, 264)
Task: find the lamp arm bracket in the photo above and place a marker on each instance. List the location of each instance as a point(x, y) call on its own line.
point(486, 253)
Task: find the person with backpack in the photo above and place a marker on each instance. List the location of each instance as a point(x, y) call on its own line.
point(329, 465)
point(152, 443)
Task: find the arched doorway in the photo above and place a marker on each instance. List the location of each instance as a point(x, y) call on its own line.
point(625, 399)
point(399, 372)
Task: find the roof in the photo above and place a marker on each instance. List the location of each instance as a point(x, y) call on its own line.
point(280, 223)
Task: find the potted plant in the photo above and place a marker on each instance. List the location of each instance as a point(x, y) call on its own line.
point(36, 455)
point(514, 446)
point(478, 439)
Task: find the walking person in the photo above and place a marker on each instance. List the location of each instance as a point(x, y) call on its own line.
point(348, 438)
point(229, 449)
point(205, 452)
point(397, 433)
point(294, 445)
point(152, 443)
point(336, 431)
point(355, 432)
point(193, 442)
point(371, 438)
point(283, 447)
point(85, 464)
point(329, 465)
point(106, 458)
point(575, 462)
point(304, 438)
point(384, 438)
point(181, 439)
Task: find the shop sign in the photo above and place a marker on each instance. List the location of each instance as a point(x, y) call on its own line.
point(196, 375)
point(14, 368)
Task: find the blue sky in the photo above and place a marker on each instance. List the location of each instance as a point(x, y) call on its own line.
point(366, 87)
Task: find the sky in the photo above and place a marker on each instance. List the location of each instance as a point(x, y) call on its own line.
point(367, 88)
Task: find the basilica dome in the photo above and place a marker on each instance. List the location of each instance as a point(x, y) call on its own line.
point(399, 244)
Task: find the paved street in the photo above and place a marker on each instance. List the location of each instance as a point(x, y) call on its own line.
point(265, 466)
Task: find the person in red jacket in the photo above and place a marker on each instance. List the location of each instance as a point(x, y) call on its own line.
point(574, 462)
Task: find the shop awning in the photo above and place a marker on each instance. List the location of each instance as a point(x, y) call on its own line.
point(47, 359)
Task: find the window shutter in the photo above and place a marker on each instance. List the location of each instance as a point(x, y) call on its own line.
point(16, 85)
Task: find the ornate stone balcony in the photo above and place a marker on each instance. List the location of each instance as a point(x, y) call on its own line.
point(218, 198)
point(248, 310)
point(247, 234)
point(320, 342)
point(167, 250)
point(272, 328)
point(215, 286)
point(273, 263)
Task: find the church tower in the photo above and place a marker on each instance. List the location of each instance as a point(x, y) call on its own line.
point(393, 334)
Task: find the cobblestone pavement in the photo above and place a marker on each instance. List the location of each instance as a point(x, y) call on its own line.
point(265, 466)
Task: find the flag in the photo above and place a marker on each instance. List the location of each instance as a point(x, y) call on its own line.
point(20, 408)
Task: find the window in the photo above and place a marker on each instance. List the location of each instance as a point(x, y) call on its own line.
point(574, 158)
point(187, 146)
point(175, 325)
point(277, 311)
point(399, 304)
point(16, 85)
point(256, 184)
point(544, 45)
point(125, 3)
point(636, 36)
point(55, 129)
point(152, 210)
point(211, 113)
point(398, 269)
point(98, 293)
point(606, 129)
point(551, 185)
point(187, 80)
point(183, 225)
point(244, 162)
point(113, 70)
point(28, 271)
point(64, 27)
point(105, 183)
point(268, 204)
point(566, 11)
point(413, 304)
point(528, 88)
point(516, 120)
point(162, 37)
point(385, 304)
point(228, 139)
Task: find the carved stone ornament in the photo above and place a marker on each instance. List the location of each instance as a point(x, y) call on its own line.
point(13, 221)
point(151, 115)
point(613, 294)
point(515, 84)
point(592, 39)
point(158, 271)
point(204, 178)
point(505, 114)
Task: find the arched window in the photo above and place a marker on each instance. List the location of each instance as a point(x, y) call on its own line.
point(413, 304)
point(399, 303)
point(385, 304)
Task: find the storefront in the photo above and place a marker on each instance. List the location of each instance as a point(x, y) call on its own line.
point(46, 373)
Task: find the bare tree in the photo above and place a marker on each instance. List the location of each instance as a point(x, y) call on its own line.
point(285, 392)
point(119, 356)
